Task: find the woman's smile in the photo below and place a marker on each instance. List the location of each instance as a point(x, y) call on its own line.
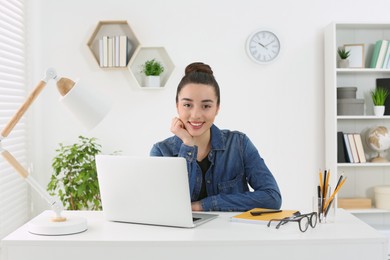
point(196, 125)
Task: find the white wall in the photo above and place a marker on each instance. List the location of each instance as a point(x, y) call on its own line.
point(280, 106)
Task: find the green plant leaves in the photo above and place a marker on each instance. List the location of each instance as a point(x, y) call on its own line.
point(152, 68)
point(74, 178)
point(379, 96)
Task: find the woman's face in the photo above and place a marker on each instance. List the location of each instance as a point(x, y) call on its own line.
point(197, 108)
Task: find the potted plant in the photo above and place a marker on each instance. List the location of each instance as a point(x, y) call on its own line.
point(343, 55)
point(379, 96)
point(152, 70)
point(74, 179)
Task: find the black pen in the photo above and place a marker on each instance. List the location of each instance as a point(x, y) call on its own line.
point(258, 213)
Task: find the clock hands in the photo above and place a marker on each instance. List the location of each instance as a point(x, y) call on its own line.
point(269, 43)
point(262, 45)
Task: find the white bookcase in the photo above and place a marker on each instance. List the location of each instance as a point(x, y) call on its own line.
point(362, 177)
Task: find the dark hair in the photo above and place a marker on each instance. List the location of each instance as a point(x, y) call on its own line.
point(198, 73)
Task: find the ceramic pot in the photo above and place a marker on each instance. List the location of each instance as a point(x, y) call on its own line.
point(152, 81)
point(343, 63)
point(379, 110)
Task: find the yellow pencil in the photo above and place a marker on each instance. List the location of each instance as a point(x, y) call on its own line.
point(334, 193)
point(321, 181)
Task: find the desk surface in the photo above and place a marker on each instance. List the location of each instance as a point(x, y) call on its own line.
point(346, 238)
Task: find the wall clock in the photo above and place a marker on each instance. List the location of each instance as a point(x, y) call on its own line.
point(263, 46)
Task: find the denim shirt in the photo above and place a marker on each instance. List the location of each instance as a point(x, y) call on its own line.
point(235, 163)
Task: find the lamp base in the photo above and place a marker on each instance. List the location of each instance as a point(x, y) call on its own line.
point(43, 225)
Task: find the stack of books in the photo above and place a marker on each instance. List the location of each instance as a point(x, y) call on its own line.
point(350, 148)
point(113, 51)
point(381, 55)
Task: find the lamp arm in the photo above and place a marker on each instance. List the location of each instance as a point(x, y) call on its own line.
point(50, 74)
point(55, 204)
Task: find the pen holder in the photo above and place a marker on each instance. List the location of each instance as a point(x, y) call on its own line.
point(325, 214)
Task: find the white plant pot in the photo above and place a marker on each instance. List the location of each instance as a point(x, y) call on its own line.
point(379, 110)
point(152, 81)
point(343, 63)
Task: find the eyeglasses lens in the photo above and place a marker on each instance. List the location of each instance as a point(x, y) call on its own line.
point(303, 223)
point(313, 220)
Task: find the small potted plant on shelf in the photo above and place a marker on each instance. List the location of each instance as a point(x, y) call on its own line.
point(343, 55)
point(152, 70)
point(74, 179)
point(379, 96)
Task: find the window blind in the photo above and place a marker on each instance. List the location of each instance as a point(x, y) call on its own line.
point(14, 199)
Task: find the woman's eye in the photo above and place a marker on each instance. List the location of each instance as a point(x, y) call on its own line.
point(187, 105)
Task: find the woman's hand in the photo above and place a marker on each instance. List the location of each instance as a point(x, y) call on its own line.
point(196, 206)
point(178, 128)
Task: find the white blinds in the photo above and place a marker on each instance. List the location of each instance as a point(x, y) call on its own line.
point(14, 202)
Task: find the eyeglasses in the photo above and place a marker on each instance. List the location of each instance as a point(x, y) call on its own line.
point(304, 220)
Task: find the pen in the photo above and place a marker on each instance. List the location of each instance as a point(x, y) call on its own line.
point(258, 213)
point(319, 199)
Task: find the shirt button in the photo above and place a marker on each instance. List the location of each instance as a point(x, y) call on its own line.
point(208, 181)
point(189, 153)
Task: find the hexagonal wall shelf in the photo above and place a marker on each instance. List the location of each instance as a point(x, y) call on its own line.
point(112, 28)
point(143, 54)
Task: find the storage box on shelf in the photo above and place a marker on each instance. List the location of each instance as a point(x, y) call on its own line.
point(361, 177)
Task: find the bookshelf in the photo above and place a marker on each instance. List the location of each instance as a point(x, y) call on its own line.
point(361, 177)
point(137, 54)
point(112, 28)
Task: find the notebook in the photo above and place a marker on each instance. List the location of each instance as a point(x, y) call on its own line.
point(264, 215)
point(147, 190)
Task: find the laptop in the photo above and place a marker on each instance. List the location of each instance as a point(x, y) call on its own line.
point(147, 190)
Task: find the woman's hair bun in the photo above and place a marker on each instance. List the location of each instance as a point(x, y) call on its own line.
point(198, 67)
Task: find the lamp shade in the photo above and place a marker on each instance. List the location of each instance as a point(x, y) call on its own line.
point(86, 105)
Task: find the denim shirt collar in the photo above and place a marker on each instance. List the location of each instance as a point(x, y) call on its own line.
point(217, 140)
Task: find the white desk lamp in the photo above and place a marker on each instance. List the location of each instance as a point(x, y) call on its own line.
point(89, 110)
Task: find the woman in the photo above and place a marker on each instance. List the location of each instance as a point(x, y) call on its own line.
point(221, 163)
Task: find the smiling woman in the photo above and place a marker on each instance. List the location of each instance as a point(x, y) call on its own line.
point(221, 163)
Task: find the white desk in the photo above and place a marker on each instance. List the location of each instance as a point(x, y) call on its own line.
point(347, 238)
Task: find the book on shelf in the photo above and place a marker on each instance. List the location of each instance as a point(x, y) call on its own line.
point(348, 148)
point(359, 148)
point(375, 53)
point(123, 50)
point(101, 54)
point(110, 52)
point(116, 51)
point(113, 51)
point(385, 83)
point(341, 149)
point(382, 53)
point(105, 51)
point(264, 217)
point(352, 145)
point(386, 64)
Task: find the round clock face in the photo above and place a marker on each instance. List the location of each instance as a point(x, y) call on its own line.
point(263, 46)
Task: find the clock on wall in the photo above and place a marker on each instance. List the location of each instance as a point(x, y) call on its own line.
point(263, 46)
